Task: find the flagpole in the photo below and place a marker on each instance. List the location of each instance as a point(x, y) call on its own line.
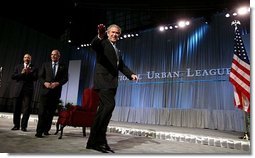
point(247, 124)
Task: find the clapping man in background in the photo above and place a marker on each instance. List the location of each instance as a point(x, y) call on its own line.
point(25, 74)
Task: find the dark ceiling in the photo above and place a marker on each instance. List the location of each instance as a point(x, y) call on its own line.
point(82, 16)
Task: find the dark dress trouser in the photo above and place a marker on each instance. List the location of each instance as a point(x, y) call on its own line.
point(23, 101)
point(47, 107)
point(104, 113)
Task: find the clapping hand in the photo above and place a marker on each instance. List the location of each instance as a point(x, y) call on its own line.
point(26, 70)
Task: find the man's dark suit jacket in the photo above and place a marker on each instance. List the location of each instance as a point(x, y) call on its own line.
point(106, 73)
point(46, 75)
point(24, 81)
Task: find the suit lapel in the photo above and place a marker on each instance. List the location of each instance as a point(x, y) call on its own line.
point(112, 54)
point(49, 67)
point(58, 69)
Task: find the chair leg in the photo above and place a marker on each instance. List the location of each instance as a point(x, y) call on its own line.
point(84, 131)
point(57, 129)
point(61, 131)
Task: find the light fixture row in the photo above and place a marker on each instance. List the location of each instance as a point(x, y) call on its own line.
point(242, 11)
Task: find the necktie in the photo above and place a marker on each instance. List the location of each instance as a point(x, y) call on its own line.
point(116, 52)
point(54, 69)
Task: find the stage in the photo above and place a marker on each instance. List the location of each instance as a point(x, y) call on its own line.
point(124, 138)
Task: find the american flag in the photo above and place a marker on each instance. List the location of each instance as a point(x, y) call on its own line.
point(240, 73)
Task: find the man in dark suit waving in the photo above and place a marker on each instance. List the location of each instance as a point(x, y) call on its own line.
point(108, 65)
point(25, 74)
point(53, 75)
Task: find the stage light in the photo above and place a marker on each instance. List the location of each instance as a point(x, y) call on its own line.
point(166, 28)
point(130, 35)
point(227, 15)
point(234, 14)
point(170, 27)
point(183, 23)
point(161, 28)
point(243, 10)
point(69, 41)
point(81, 45)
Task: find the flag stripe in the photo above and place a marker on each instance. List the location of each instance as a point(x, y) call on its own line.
point(241, 88)
point(241, 76)
point(237, 98)
point(241, 65)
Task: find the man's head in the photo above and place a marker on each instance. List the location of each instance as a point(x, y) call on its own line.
point(27, 58)
point(113, 32)
point(55, 55)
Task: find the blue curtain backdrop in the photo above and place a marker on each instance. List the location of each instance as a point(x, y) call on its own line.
point(183, 76)
point(183, 73)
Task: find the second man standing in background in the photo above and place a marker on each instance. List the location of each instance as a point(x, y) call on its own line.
point(53, 75)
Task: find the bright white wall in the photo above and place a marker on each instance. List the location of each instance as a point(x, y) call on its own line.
point(70, 89)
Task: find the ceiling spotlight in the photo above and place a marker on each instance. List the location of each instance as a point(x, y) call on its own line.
point(181, 24)
point(243, 10)
point(69, 41)
point(161, 28)
point(227, 15)
point(234, 14)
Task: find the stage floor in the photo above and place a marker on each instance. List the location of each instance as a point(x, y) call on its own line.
point(124, 138)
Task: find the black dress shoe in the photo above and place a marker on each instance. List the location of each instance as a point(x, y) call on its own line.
point(15, 128)
point(97, 148)
point(107, 148)
point(46, 133)
point(24, 129)
point(38, 135)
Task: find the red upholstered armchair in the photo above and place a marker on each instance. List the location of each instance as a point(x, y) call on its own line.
point(79, 116)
